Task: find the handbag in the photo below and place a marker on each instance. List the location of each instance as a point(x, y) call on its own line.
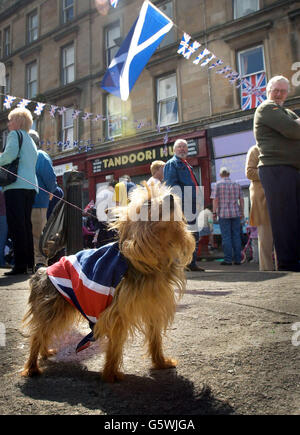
point(10, 177)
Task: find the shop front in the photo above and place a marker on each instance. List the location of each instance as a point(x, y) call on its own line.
point(136, 161)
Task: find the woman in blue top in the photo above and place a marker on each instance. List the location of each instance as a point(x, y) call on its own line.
point(19, 196)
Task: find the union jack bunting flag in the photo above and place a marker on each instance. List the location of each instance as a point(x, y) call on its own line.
point(184, 44)
point(114, 3)
point(253, 91)
point(9, 99)
point(192, 48)
point(201, 56)
point(217, 63)
point(39, 108)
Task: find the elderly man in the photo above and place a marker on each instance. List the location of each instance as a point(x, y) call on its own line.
point(228, 204)
point(277, 133)
point(179, 174)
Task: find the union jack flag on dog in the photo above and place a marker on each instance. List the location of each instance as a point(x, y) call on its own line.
point(253, 91)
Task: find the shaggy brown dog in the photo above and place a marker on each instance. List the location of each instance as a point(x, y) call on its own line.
point(154, 239)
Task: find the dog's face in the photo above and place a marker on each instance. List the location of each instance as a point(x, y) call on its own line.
point(152, 230)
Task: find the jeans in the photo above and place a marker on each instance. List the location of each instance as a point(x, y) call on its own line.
point(231, 238)
point(3, 238)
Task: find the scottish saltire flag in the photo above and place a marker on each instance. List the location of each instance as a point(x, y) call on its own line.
point(253, 91)
point(184, 44)
point(144, 37)
point(88, 281)
point(114, 3)
point(215, 64)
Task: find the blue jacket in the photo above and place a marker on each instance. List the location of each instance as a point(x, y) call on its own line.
point(177, 176)
point(46, 179)
point(28, 158)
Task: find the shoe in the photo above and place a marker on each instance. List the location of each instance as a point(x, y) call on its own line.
point(38, 266)
point(224, 263)
point(16, 272)
point(237, 263)
point(195, 268)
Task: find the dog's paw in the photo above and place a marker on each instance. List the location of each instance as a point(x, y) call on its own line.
point(111, 377)
point(167, 363)
point(30, 372)
point(49, 353)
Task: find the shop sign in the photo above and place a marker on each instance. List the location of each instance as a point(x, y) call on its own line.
point(61, 169)
point(133, 158)
point(139, 157)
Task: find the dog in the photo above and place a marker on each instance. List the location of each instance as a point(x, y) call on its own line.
point(153, 247)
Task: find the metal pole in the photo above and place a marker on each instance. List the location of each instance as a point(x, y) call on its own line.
point(73, 181)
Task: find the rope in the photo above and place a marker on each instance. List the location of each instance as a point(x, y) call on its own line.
point(41, 188)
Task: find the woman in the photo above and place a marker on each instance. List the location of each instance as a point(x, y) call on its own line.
point(19, 196)
point(259, 215)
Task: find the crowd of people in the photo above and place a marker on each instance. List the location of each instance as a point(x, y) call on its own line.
point(272, 166)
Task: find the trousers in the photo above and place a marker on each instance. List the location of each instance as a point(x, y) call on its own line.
point(38, 220)
point(282, 189)
point(231, 238)
point(18, 212)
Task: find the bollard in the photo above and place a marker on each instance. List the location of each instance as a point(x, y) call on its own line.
point(73, 181)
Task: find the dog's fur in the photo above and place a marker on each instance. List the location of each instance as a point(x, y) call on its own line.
point(157, 251)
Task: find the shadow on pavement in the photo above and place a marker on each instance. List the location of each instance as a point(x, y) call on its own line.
point(234, 276)
point(162, 393)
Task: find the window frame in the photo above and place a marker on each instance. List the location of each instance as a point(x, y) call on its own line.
point(107, 50)
point(6, 43)
point(234, 8)
point(109, 116)
point(30, 29)
point(65, 68)
point(165, 100)
point(171, 34)
point(29, 81)
point(64, 10)
point(243, 76)
point(65, 128)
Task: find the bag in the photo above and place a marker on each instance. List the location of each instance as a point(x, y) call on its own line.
point(54, 235)
point(10, 177)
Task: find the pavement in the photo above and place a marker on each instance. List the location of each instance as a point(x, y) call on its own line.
point(236, 337)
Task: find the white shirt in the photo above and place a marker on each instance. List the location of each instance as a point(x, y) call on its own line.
point(205, 219)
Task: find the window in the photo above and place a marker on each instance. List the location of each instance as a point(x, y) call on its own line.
point(167, 9)
point(251, 66)
point(32, 27)
point(112, 42)
point(67, 129)
point(167, 107)
point(68, 66)
point(6, 42)
point(244, 7)
point(7, 89)
point(114, 116)
point(31, 80)
point(67, 10)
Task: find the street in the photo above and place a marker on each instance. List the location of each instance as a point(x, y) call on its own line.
point(235, 335)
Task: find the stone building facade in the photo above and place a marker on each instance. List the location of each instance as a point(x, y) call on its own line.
point(57, 52)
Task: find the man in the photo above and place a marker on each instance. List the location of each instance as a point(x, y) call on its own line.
point(179, 174)
point(277, 133)
point(228, 205)
point(157, 172)
point(46, 180)
point(104, 202)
